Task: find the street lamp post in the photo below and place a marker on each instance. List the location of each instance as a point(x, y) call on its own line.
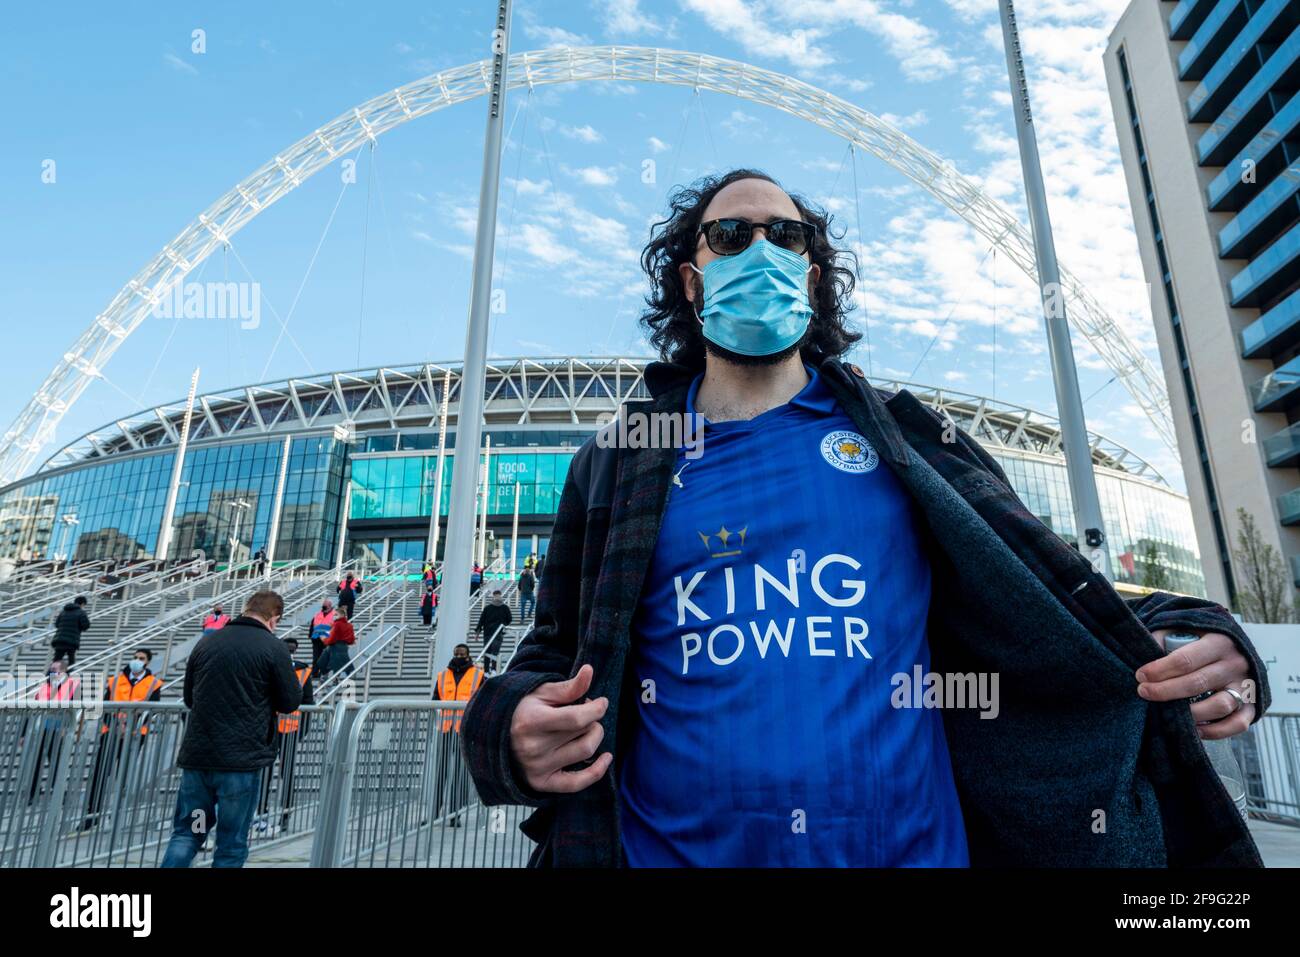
point(1069, 404)
point(469, 421)
point(240, 506)
point(69, 521)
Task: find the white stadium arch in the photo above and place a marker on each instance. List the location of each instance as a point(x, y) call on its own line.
point(34, 427)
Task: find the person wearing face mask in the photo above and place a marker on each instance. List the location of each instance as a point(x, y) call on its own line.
point(58, 688)
point(829, 536)
point(215, 621)
point(429, 605)
point(457, 682)
point(236, 682)
point(135, 682)
point(319, 629)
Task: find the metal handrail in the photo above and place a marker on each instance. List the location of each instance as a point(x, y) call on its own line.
point(165, 625)
point(100, 589)
point(392, 594)
point(58, 569)
point(483, 654)
point(367, 655)
point(45, 576)
point(39, 630)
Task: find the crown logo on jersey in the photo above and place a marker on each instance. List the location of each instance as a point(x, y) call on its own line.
point(729, 543)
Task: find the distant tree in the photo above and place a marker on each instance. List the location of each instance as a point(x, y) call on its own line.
point(1265, 592)
point(1155, 574)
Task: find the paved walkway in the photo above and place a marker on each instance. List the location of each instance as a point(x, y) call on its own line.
point(1279, 844)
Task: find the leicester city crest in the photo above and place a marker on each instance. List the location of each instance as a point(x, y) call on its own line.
point(849, 452)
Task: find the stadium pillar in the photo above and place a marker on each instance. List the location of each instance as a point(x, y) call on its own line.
point(459, 553)
point(487, 498)
point(169, 509)
point(343, 524)
point(273, 533)
point(1069, 404)
point(434, 511)
point(514, 533)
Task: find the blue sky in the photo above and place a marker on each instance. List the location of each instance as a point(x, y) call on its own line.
point(145, 133)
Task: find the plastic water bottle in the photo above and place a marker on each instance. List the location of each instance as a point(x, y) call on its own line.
point(1222, 757)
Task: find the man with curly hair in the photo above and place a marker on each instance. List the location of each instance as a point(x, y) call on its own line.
point(836, 637)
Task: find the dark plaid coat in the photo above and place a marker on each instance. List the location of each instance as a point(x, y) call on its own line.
point(1009, 596)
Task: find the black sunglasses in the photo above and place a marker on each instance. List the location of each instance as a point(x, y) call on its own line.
point(726, 237)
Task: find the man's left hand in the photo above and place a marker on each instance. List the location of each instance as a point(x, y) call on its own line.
point(1211, 664)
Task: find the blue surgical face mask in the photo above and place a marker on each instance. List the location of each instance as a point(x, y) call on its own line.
point(137, 666)
point(756, 302)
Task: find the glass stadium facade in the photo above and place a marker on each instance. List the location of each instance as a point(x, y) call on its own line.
point(346, 465)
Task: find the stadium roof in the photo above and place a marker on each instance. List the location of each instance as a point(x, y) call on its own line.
point(520, 392)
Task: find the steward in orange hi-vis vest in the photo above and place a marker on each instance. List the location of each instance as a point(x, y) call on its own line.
point(289, 723)
point(450, 687)
point(126, 686)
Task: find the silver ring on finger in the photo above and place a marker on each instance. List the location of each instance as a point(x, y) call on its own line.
point(1241, 702)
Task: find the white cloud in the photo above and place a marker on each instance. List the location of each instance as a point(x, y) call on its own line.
point(752, 26)
point(541, 243)
point(743, 125)
point(910, 121)
point(586, 134)
point(658, 145)
point(594, 175)
point(624, 18)
point(551, 36)
point(920, 53)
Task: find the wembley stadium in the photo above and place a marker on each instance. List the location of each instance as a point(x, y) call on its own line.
point(344, 466)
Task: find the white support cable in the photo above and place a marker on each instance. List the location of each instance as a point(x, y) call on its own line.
point(34, 426)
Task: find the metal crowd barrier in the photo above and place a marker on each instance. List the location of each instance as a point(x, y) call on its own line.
point(400, 794)
point(1269, 754)
point(95, 784)
point(375, 784)
point(383, 784)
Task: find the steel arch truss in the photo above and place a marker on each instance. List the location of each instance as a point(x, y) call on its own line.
point(34, 427)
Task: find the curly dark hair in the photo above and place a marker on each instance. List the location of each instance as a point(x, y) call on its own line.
point(670, 317)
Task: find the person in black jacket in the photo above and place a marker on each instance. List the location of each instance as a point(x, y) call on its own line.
point(235, 682)
point(348, 591)
point(68, 626)
point(492, 623)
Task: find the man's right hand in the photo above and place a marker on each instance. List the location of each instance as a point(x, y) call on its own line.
point(553, 728)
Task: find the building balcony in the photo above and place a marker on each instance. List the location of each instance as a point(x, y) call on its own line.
point(1274, 332)
point(1268, 153)
point(1188, 17)
point(1270, 25)
point(1268, 274)
point(1279, 390)
point(1252, 108)
point(1283, 448)
point(1288, 508)
point(1212, 38)
point(1272, 210)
